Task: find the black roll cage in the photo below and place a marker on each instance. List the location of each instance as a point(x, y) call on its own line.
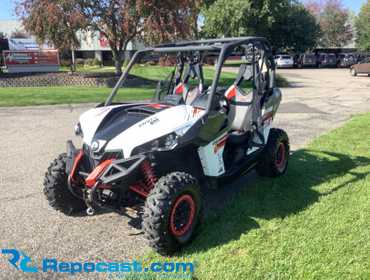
point(223, 47)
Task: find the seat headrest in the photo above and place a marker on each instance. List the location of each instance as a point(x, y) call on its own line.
point(179, 89)
point(231, 92)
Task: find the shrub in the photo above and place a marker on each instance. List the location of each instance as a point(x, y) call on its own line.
point(65, 62)
point(92, 62)
point(80, 61)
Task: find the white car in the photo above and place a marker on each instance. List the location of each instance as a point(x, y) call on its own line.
point(284, 61)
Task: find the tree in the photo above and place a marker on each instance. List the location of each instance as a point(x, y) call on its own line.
point(363, 28)
point(287, 24)
point(58, 21)
point(297, 30)
point(334, 21)
point(225, 18)
point(170, 20)
point(335, 27)
point(119, 21)
point(314, 7)
point(52, 21)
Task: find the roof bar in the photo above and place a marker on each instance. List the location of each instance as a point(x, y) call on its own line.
point(211, 41)
point(186, 48)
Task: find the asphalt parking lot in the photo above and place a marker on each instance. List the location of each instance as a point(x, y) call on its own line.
point(317, 101)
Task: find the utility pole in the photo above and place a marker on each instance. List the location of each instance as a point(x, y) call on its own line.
point(73, 65)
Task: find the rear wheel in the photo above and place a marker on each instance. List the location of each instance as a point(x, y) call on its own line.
point(172, 212)
point(274, 158)
point(56, 188)
point(353, 72)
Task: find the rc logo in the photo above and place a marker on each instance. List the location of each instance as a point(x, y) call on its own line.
point(22, 262)
point(19, 260)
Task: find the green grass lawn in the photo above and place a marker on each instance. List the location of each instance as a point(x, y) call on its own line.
point(89, 69)
point(312, 223)
point(65, 95)
point(70, 95)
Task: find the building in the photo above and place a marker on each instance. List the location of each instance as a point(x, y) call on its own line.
point(92, 45)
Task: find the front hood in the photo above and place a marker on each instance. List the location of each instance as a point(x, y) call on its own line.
point(93, 118)
point(104, 123)
point(154, 126)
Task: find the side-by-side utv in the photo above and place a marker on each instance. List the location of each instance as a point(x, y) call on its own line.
point(195, 133)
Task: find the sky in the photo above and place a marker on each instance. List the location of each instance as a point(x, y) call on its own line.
point(7, 7)
point(354, 5)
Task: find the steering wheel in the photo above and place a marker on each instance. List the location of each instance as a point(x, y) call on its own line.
point(224, 102)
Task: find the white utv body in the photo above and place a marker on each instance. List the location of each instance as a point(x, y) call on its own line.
point(164, 152)
point(176, 119)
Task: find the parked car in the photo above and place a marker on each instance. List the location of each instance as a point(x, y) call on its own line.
point(346, 60)
point(284, 61)
point(361, 68)
point(307, 60)
point(327, 60)
point(359, 57)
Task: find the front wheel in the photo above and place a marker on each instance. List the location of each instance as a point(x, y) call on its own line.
point(353, 72)
point(172, 212)
point(56, 188)
point(274, 157)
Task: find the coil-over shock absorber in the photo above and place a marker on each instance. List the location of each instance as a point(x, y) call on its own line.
point(147, 184)
point(149, 174)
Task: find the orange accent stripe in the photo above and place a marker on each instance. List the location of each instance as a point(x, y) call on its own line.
point(158, 106)
point(93, 176)
point(75, 165)
point(196, 111)
point(221, 143)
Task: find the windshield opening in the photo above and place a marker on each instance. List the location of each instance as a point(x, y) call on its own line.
point(187, 77)
point(155, 76)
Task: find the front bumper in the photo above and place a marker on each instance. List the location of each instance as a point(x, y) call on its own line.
point(285, 65)
point(117, 173)
point(110, 173)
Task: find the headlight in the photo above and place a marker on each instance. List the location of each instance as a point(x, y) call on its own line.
point(164, 143)
point(167, 142)
point(78, 130)
point(170, 141)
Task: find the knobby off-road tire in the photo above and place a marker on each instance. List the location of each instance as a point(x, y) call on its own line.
point(274, 158)
point(56, 188)
point(173, 211)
